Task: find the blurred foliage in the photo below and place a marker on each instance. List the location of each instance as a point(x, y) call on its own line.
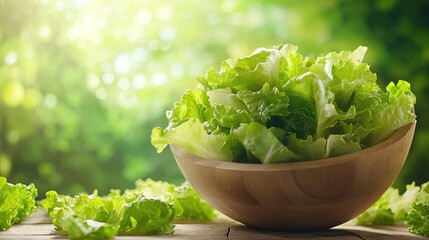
point(82, 83)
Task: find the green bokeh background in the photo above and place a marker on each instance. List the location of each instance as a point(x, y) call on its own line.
point(82, 83)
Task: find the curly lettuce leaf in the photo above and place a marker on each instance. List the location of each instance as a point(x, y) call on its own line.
point(396, 112)
point(418, 219)
point(92, 216)
point(319, 107)
point(265, 103)
point(86, 229)
point(261, 143)
point(192, 136)
point(17, 201)
point(188, 204)
point(401, 204)
point(251, 72)
point(379, 213)
point(146, 216)
point(192, 106)
point(150, 208)
point(412, 208)
point(392, 206)
point(193, 206)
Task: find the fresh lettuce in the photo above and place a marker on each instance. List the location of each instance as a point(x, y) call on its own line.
point(418, 219)
point(188, 204)
point(279, 106)
point(148, 209)
point(17, 201)
point(411, 208)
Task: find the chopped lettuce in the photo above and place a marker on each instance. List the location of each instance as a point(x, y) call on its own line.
point(412, 208)
point(17, 201)
point(148, 209)
point(303, 108)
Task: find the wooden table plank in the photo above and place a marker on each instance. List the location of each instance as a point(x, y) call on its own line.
point(381, 232)
point(38, 227)
point(242, 233)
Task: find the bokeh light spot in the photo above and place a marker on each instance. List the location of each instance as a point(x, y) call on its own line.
point(45, 31)
point(159, 79)
point(122, 63)
point(124, 83)
point(139, 81)
point(50, 100)
point(101, 93)
point(5, 165)
point(13, 137)
point(13, 94)
point(11, 58)
point(93, 81)
point(108, 78)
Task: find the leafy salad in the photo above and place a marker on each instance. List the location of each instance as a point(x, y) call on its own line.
point(148, 209)
point(17, 201)
point(411, 208)
point(153, 206)
point(277, 105)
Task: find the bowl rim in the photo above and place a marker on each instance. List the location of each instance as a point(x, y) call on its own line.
point(399, 134)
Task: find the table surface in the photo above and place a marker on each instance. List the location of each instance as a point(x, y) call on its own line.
point(38, 226)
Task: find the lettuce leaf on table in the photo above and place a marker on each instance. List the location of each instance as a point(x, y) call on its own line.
point(308, 108)
point(17, 201)
point(418, 219)
point(148, 209)
point(189, 206)
point(411, 208)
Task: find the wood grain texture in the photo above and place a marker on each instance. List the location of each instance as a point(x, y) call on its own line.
point(304, 196)
point(38, 227)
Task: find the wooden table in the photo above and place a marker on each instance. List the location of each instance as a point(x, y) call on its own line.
point(38, 226)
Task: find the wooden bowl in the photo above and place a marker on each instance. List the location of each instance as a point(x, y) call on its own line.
point(299, 196)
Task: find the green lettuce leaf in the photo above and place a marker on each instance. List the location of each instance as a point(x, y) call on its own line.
point(412, 208)
point(265, 103)
point(192, 106)
point(395, 113)
point(17, 201)
point(150, 208)
point(249, 73)
point(418, 219)
point(316, 108)
point(401, 204)
point(188, 204)
point(379, 213)
point(146, 216)
point(91, 216)
point(192, 136)
point(261, 143)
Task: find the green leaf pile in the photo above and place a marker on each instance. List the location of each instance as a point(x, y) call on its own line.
point(17, 201)
point(189, 205)
point(412, 208)
point(148, 209)
point(279, 106)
